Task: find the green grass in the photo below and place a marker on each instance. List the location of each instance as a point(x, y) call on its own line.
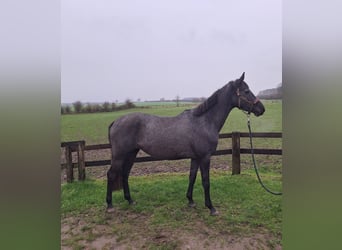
point(243, 205)
point(93, 128)
point(239, 198)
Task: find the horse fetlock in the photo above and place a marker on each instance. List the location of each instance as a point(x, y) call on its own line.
point(109, 201)
point(132, 202)
point(192, 204)
point(214, 212)
point(110, 210)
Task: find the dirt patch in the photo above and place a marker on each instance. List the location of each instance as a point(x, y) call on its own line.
point(126, 230)
point(229, 242)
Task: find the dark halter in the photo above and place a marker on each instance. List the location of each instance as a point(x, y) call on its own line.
point(251, 103)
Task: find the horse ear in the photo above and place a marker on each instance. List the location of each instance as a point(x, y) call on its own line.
point(242, 77)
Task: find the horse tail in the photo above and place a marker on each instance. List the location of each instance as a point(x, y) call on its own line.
point(117, 182)
point(109, 132)
point(117, 178)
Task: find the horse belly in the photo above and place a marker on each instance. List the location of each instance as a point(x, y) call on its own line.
point(166, 148)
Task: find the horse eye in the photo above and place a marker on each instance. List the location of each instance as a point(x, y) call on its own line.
point(246, 91)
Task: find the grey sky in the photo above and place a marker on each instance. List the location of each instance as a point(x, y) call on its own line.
point(114, 50)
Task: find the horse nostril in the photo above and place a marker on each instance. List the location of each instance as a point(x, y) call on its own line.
point(262, 111)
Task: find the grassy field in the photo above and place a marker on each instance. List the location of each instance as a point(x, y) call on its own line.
point(93, 128)
point(162, 212)
point(249, 217)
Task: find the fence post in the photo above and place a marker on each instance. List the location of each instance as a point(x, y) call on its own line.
point(81, 161)
point(69, 168)
point(236, 153)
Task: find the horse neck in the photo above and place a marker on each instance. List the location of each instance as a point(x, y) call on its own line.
point(218, 114)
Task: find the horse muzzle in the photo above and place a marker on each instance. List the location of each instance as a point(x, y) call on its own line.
point(258, 108)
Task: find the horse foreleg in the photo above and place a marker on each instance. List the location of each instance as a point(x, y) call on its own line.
point(192, 179)
point(204, 167)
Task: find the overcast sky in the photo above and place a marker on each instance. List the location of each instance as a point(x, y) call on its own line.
point(115, 50)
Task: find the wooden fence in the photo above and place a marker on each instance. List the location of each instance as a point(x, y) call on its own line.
point(235, 151)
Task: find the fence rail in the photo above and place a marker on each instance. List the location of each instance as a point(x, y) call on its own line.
point(235, 151)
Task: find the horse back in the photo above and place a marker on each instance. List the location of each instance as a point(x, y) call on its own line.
point(161, 137)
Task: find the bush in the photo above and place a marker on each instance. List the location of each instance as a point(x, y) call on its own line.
point(113, 106)
point(78, 106)
point(97, 108)
point(128, 104)
point(106, 107)
point(88, 108)
point(65, 109)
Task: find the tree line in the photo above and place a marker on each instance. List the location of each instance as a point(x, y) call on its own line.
point(79, 107)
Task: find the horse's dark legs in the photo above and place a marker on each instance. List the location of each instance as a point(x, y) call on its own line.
point(192, 179)
point(125, 174)
point(109, 192)
point(113, 176)
point(204, 167)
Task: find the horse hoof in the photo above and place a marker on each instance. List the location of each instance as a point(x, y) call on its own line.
point(132, 203)
point(110, 210)
point(214, 212)
point(192, 204)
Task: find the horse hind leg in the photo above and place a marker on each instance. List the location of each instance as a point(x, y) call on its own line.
point(114, 181)
point(127, 166)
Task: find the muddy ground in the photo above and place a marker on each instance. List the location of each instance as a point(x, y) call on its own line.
point(110, 231)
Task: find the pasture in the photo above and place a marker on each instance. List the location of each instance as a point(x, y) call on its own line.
point(93, 128)
point(249, 217)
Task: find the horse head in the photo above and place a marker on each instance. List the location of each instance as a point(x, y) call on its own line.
point(245, 99)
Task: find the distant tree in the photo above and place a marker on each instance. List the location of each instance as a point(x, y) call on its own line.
point(78, 106)
point(97, 108)
point(88, 108)
point(62, 110)
point(128, 104)
point(67, 109)
point(106, 106)
point(113, 106)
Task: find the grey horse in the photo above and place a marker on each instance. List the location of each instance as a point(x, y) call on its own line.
point(192, 134)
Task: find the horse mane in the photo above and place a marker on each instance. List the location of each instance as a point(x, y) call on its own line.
point(206, 105)
point(209, 103)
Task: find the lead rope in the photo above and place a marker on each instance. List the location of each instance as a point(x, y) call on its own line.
point(255, 167)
